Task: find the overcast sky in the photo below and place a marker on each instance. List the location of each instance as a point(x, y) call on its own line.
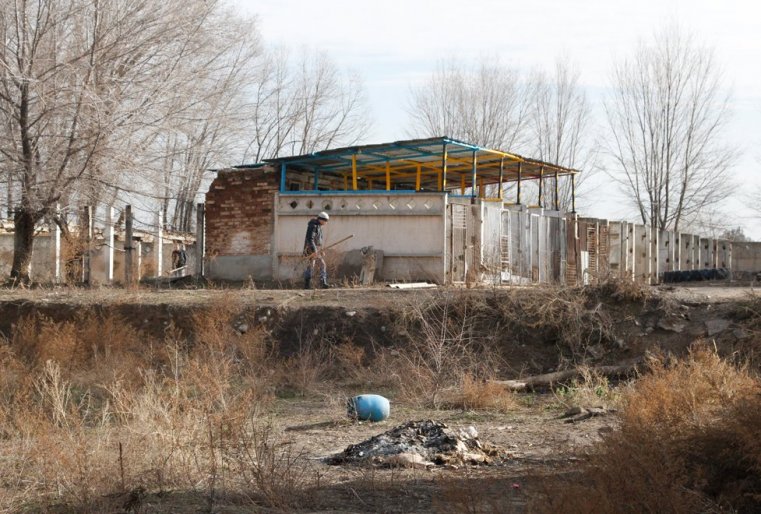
point(396, 44)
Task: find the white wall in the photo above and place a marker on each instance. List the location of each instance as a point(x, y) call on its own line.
point(408, 228)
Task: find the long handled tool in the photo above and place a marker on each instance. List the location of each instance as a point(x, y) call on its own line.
point(321, 250)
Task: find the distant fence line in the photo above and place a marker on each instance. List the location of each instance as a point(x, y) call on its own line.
point(520, 245)
point(512, 244)
point(111, 251)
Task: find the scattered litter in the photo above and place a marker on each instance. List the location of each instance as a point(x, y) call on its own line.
point(412, 285)
point(424, 443)
point(351, 313)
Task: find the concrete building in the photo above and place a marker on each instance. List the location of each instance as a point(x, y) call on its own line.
point(431, 209)
point(437, 210)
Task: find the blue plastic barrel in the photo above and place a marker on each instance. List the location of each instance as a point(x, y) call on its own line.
point(369, 407)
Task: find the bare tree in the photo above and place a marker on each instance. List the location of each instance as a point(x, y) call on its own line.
point(88, 86)
point(302, 108)
point(485, 105)
point(558, 122)
point(216, 122)
point(666, 118)
point(736, 235)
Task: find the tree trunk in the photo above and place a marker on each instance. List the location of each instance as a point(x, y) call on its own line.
point(23, 243)
point(546, 381)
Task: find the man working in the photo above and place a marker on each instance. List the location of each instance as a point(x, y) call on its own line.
point(313, 249)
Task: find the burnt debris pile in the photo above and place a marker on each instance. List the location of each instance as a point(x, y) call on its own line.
point(420, 444)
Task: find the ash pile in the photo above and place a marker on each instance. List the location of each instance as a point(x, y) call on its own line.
point(421, 444)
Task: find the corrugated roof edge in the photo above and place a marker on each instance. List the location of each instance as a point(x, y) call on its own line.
point(241, 167)
point(403, 142)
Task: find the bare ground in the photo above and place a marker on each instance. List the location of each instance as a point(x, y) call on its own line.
point(537, 442)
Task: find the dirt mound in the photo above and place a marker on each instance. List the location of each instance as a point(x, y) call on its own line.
point(421, 444)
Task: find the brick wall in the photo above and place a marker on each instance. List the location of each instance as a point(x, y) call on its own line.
point(239, 212)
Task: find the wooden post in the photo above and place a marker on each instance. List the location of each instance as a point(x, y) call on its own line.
point(520, 176)
point(57, 247)
point(110, 252)
point(354, 172)
point(573, 193)
point(86, 225)
point(200, 242)
point(128, 245)
point(501, 175)
point(541, 187)
point(444, 168)
point(473, 176)
point(139, 259)
point(158, 244)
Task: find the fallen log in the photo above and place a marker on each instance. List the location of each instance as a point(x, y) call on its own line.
point(547, 380)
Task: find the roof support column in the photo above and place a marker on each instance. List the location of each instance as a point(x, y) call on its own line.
point(316, 178)
point(501, 175)
point(354, 172)
point(388, 176)
point(573, 193)
point(520, 176)
point(541, 187)
point(473, 176)
point(443, 185)
point(282, 177)
point(462, 184)
point(557, 192)
point(417, 177)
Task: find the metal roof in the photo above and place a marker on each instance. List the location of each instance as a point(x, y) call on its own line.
point(403, 158)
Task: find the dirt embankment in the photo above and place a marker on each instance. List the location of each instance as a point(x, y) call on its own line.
point(535, 330)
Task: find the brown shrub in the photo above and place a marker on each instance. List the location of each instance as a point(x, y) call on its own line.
point(590, 389)
point(445, 343)
point(572, 319)
point(481, 394)
point(747, 314)
point(37, 339)
point(620, 290)
point(222, 330)
point(685, 444)
point(91, 408)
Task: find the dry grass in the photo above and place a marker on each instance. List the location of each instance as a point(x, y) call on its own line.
point(590, 389)
point(96, 415)
point(443, 347)
point(93, 412)
point(483, 395)
point(687, 443)
point(620, 290)
point(747, 314)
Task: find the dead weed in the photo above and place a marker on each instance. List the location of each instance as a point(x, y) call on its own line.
point(686, 444)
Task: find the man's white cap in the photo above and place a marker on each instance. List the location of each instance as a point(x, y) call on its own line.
point(323, 216)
